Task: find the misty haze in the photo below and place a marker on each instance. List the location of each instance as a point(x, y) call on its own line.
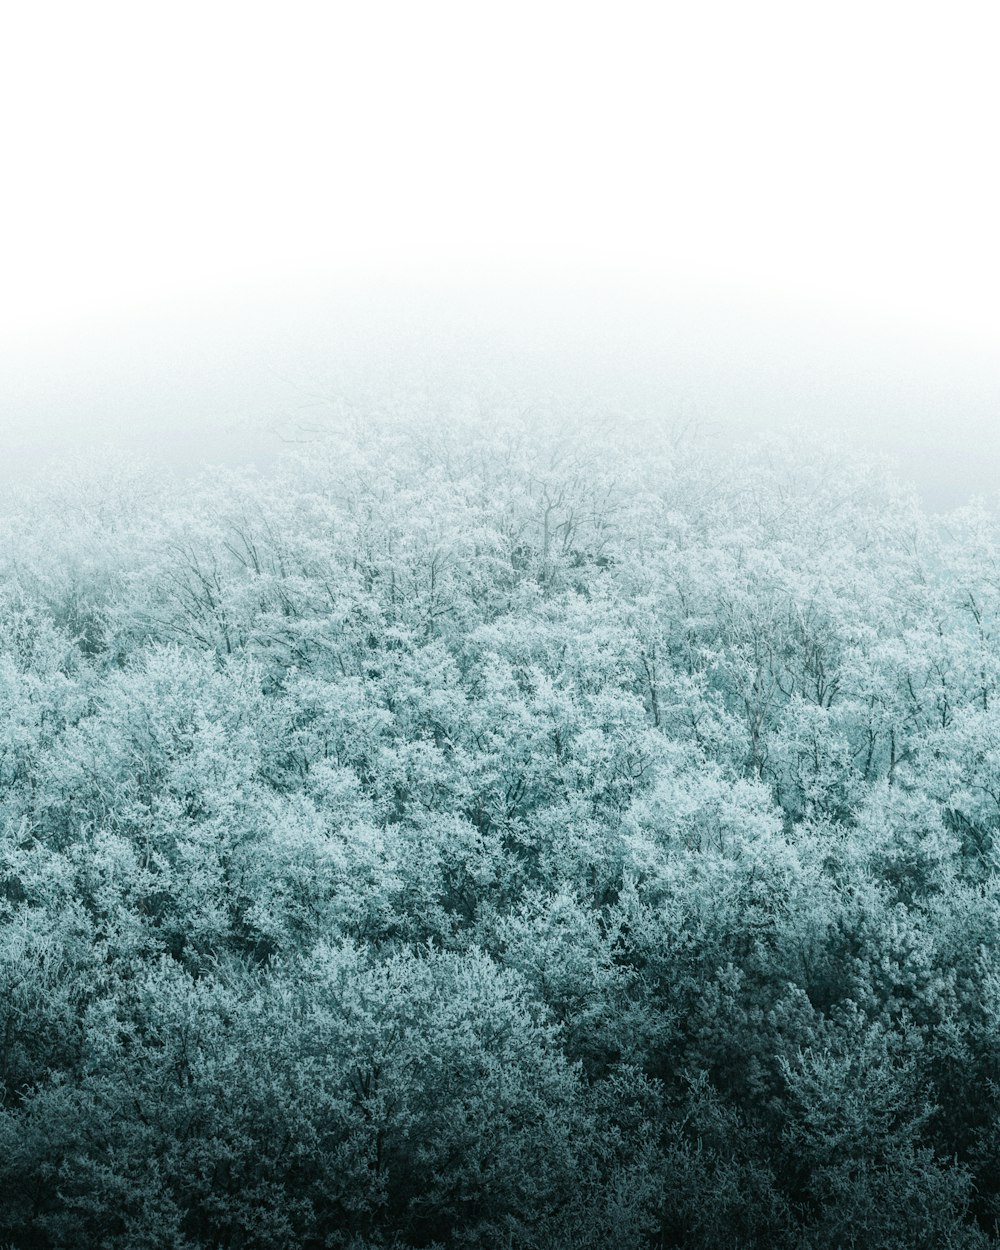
point(237, 380)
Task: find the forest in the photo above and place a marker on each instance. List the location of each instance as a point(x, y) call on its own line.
point(499, 831)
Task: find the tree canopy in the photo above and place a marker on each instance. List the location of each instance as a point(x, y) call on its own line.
point(489, 833)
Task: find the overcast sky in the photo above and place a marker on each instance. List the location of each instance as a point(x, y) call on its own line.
point(211, 211)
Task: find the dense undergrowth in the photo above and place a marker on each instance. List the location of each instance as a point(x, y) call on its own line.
point(497, 836)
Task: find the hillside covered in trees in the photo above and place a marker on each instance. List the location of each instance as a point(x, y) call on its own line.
point(486, 834)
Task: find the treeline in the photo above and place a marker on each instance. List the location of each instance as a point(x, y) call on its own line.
point(499, 835)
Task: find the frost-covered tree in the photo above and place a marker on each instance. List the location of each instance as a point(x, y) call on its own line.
point(499, 832)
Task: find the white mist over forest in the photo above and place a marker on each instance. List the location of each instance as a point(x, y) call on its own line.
point(499, 627)
point(236, 380)
point(215, 221)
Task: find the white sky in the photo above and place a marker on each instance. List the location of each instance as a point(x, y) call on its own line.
point(841, 155)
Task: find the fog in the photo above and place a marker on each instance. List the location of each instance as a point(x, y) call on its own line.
point(236, 380)
point(217, 225)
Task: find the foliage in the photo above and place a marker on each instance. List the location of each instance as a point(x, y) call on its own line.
point(496, 835)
